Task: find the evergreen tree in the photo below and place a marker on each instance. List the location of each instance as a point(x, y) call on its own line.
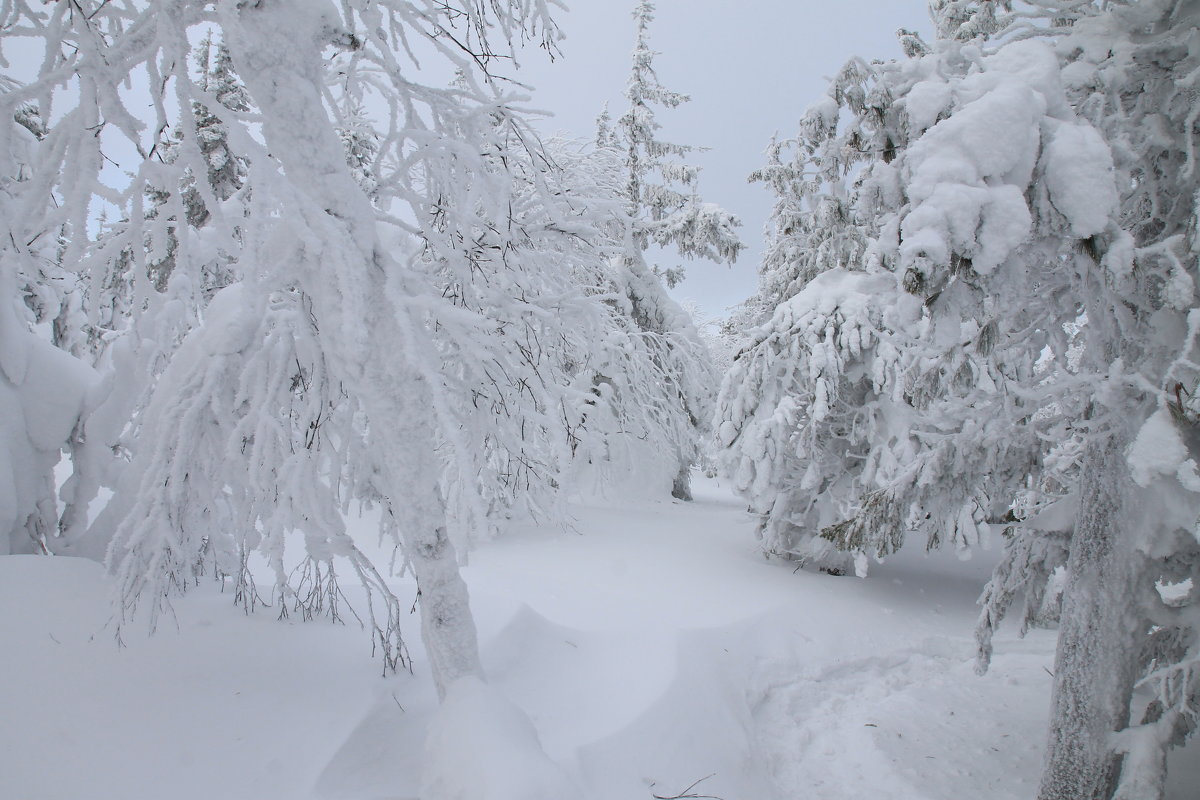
point(665, 210)
point(842, 416)
point(1042, 382)
point(636, 416)
point(775, 412)
point(813, 225)
point(662, 188)
point(1129, 613)
point(965, 20)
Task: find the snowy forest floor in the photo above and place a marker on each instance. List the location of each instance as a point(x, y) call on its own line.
point(650, 645)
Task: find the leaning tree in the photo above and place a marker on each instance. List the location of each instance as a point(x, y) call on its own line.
point(395, 332)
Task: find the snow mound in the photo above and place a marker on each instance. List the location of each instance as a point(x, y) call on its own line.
point(62, 600)
point(577, 685)
point(215, 705)
point(482, 747)
point(702, 727)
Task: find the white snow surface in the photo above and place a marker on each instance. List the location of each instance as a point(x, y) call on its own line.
point(646, 648)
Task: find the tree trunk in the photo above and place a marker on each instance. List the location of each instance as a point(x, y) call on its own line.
point(1099, 637)
point(447, 626)
point(681, 488)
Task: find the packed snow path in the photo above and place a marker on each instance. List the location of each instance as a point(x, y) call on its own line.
point(649, 645)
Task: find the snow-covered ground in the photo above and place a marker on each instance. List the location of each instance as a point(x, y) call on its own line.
point(650, 646)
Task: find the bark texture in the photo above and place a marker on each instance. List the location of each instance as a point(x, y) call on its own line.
point(1098, 641)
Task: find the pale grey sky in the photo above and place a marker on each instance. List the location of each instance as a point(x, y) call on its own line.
point(751, 68)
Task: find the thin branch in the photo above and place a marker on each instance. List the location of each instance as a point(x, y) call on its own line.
point(688, 794)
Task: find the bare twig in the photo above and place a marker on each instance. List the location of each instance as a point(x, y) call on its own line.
point(687, 793)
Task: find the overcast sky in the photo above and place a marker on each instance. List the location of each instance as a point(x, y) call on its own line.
point(751, 68)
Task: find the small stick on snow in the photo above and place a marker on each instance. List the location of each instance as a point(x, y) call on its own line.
point(686, 793)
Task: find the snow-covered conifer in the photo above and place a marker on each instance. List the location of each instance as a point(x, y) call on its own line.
point(661, 187)
point(803, 403)
point(817, 413)
point(664, 210)
point(1019, 190)
point(670, 393)
point(643, 369)
point(813, 225)
point(1129, 609)
point(965, 20)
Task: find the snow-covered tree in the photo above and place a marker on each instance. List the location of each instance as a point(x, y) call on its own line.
point(43, 394)
point(1130, 607)
point(828, 414)
point(148, 278)
point(638, 417)
point(665, 211)
point(226, 172)
point(965, 20)
point(792, 414)
point(671, 392)
point(43, 388)
point(799, 406)
point(812, 227)
point(400, 346)
point(662, 187)
point(1025, 189)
